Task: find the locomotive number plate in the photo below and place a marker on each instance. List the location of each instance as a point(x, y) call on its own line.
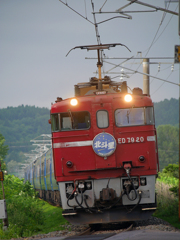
point(131, 140)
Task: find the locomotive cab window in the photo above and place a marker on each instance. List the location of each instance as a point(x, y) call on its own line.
point(55, 119)
point(150, 116)
point(70, 121)
point(102, 119)
point(134, 116)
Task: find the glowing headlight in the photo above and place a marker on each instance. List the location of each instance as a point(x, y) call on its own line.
point(128, 98)
point(73, 102)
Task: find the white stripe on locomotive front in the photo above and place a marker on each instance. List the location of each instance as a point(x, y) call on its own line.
point(86, 143)
point(72, 144)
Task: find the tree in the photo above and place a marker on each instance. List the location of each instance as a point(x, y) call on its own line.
point(167, 112)
point(168, 145)
point(3, 151)
point(12, 166)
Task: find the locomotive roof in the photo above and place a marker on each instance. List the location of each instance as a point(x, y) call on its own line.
point(116, 99)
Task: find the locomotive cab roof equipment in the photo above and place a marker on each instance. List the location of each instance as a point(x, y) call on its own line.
point(99, 63)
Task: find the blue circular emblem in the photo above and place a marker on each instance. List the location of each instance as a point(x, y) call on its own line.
point(104, 144)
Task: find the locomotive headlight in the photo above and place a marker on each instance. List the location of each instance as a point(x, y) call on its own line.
point(128, 98)
point(73, 102)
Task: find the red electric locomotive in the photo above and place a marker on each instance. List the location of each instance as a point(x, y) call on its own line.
point(105, 152)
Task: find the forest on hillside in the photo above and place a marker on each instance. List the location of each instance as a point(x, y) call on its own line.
point(167, 112)
point(21, 124)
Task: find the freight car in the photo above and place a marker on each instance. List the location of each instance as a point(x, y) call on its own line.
point(105, 153)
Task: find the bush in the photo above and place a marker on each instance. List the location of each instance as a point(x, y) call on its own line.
point(167, 207)
point(25, 214)
point(172, 170)
point(13, 186)
point(170, 175)
point(167, 187)
point(23, 208)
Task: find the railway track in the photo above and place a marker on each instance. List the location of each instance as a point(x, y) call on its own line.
point(100, 232)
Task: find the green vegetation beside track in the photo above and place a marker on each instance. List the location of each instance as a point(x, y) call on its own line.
point(28, 215)
point(167, 188)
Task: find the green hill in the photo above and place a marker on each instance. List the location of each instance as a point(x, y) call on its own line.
point(19, 125)
point(167, 112)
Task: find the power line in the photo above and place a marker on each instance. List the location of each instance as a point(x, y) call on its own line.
point(162, 31)
point(157, 8)
point(161, 84)
point(96, 26)
point(153, 41)
point(135, 71)
point(102, 6)
point(76, 11)
point(85, 8)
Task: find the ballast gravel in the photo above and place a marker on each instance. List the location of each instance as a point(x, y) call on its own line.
point(152, 223)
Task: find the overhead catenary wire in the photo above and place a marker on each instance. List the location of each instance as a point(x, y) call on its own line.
point(135, 71)
point(76, 11)
point(153, 41)
point(163, 29)
point(162, 71)
point(96, 26)
point(85, 8)
point(133, 1)
point(164, 14)
point(102, 6)
point(161, 84)
point(157, 8)
point(99, 41)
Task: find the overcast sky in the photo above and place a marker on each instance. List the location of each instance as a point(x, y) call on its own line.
point(36, 35)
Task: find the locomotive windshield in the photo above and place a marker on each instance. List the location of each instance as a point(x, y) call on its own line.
point(102, 119)
point(69, 121)
point(134, 116)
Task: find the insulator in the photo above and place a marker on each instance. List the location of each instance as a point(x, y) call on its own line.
point(172, 68)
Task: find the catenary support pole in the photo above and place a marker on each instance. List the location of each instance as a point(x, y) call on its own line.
point(146, 89)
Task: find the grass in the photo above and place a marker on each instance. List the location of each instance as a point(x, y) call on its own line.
point(27, 214)
point(53, 220)
point(167, 204)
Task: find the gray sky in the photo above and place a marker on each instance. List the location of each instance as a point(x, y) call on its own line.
point(36, 35)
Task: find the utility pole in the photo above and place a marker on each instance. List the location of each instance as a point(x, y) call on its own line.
point(145, 76)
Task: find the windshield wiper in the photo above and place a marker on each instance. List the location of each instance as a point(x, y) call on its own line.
point(128, 113)
point(71, 116)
